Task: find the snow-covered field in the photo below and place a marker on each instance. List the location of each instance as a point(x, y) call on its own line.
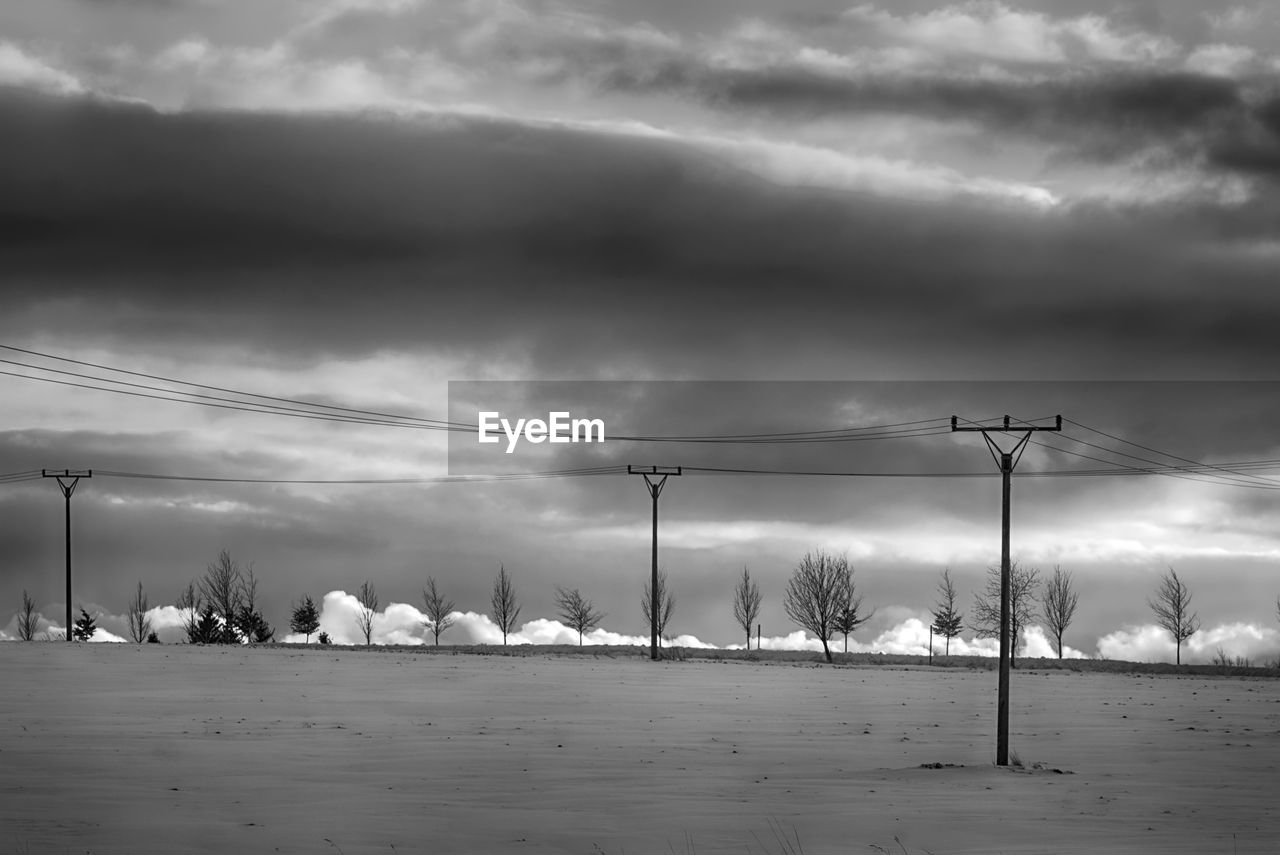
point(163, 748)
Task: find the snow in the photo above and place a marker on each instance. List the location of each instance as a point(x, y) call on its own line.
point(173, 748)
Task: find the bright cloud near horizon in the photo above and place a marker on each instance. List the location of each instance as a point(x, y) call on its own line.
point(880, 213)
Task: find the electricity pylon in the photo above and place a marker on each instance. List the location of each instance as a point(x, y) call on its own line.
point(1006, 461)
point(68, 487)
point(655, 490)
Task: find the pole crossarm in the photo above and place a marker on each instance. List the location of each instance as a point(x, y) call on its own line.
point(1006, 462)
point(661, 473)
point(1009, 426)
point(67, 481)
point(73, 477)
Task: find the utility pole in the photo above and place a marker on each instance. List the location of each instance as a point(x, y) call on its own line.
point(1007, 461)
point(655, 490)
point(72, 478)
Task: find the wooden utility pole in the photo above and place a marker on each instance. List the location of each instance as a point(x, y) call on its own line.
point(72, 478)
point(655, 490)
point(1007, 461)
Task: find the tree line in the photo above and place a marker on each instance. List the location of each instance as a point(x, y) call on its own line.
point(222, 607)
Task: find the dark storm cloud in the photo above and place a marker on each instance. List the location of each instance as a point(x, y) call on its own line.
point(347, 234)
point(1096, 109)
point(1095, 115)
point(1142, 103)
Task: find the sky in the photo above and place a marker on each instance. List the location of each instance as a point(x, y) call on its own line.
point(729, 217)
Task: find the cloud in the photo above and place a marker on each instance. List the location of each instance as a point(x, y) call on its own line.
point(720, 227)
point(403, 624)
point(1220, 60)
point(44, 627)
point(1149, 643)
point(995, 31)
point(19, 68)
point(1079, 85)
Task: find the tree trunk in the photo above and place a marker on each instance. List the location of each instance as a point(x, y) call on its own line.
point(827, 650)
point(948, 648)
point(1059, 646)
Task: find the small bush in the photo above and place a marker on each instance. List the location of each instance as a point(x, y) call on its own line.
point(324, 638)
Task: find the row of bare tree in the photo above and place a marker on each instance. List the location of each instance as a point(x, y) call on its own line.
point(222, 606)
point(1058, 602)
point(576, 611)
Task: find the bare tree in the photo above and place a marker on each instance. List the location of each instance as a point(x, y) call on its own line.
point(305, 618)
point(190, 603)
point(1058, 606)
point(817, 594)
point(28, 618)
point(249, 620)
point(368, 597)
point(664, 601)
point(947, 622)
point(849, 617)
point(577, 611)
point(139, 623)
point(221, 587)
point(506, 609)
point(1022, 600)
point(439, 610)
point(746, 603)
point(1172, 607)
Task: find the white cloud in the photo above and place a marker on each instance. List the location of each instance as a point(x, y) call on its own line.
point(1235, 19)
point(1221, 60)
point(18, 68)
point(998, 32)
point(1036, 644)
point(401, 623)
point(795, 164)
point(186, 53)
point(1150, 643)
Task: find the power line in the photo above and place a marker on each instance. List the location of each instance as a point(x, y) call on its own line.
point(440, 479)
point(1228, 469)
point(243, 406)
point(1174, 471)
point(1235, 474)
point(146, 376)
point(332, 412)
point(1183, 472)
point(1121, 470)
point(729, 470)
